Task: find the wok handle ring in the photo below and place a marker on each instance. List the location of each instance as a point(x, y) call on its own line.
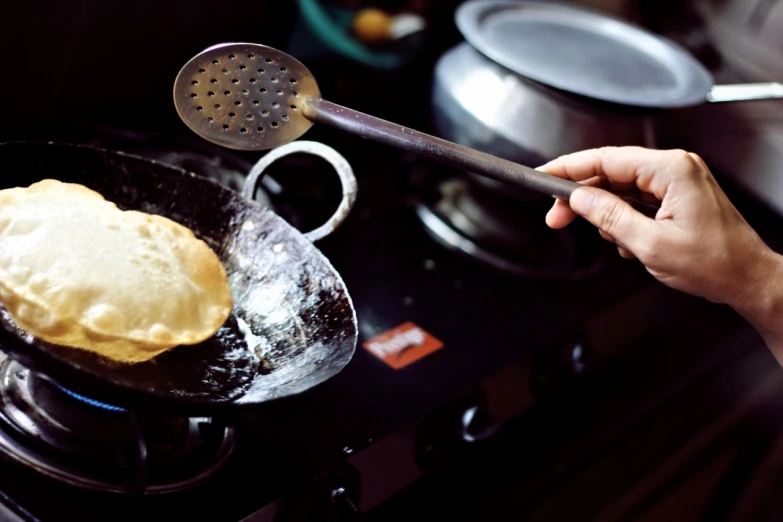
point(335, 159)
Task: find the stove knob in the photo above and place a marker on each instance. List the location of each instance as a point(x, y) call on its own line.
point(477, 425)
point(332, 496)
point(576, 357)
point(562, 366)
point(343, 507)
point(340, 492)
point(457, 434)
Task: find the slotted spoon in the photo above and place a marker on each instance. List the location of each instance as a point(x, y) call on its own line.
point(249, 96)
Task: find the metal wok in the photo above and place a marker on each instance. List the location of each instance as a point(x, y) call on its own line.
point(293, 325)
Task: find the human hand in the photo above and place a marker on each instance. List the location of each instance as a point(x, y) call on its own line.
point(698, 242)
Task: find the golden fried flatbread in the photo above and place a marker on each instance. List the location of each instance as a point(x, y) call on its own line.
point(77, 271)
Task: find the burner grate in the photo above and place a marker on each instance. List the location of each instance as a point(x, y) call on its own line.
point(504, 233)
point(98, 446)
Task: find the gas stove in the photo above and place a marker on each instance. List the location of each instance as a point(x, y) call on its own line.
point(93, 445)
point(456, 350)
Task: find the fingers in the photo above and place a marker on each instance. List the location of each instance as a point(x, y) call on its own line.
point(560, 215)
point(614, 218)
point(650, 170)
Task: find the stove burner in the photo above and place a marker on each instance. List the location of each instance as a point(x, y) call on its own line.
point(98, 446)
point(506, 233)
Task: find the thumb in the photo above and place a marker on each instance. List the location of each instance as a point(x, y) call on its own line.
point(613, 216)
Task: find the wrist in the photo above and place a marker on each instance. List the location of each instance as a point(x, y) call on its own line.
point(761, 300)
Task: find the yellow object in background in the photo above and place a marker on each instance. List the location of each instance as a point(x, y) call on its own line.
point(372, 26)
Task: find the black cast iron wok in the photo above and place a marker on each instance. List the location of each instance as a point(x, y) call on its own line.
point(302, 325)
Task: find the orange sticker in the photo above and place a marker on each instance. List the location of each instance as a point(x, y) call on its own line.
point(402, 345)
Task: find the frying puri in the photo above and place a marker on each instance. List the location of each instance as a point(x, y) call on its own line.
point(77, 271)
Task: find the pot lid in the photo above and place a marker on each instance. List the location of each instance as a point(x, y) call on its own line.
point(584, 52)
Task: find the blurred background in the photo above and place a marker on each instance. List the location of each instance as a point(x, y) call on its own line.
point(570, 385)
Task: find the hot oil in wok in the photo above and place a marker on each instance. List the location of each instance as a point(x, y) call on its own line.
point(220, 368)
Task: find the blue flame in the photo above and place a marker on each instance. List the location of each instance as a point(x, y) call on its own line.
point(93, 402)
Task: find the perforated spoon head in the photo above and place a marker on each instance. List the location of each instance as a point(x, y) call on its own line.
point(245, 96)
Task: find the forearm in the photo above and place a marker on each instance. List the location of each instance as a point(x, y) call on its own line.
point(763, 304)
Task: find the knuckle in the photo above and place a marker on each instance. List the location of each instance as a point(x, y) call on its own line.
point(689, 164)
point(701, 171)
point(609, 217)
point(675, 154)
point(696, 159)
point(682, 159)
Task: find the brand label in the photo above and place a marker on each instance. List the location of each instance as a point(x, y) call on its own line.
point(402, 345)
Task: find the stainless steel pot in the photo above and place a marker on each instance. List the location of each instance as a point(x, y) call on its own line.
point(480, 104)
